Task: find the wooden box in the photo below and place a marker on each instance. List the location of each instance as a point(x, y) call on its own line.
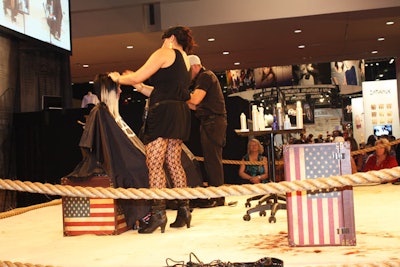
point(322, 217)
point(84, 215)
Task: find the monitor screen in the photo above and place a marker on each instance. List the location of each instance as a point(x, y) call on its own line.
point(380, 130)
point(47, 20)
point(51, 102)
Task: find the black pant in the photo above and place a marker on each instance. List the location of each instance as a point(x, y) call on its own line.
point(213, 139)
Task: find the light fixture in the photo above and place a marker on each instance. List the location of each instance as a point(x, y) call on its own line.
point(381, 39)
point(374, 52)
point(129, 46)
point(389, 22)
point(301, 46)
point(211, 39)
point(391, 61)
point(236, 63)
point(297, 31)
point(225, 53)
point(85, 65)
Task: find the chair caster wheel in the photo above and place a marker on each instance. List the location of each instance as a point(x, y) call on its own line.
point(263, 213)
point(246, 217)
point(247, 205)
point(272, 219)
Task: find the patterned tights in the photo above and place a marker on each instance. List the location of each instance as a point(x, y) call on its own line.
point(169, 151)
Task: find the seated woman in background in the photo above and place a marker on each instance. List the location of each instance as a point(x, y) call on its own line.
point(381, 158)
point(254, 173)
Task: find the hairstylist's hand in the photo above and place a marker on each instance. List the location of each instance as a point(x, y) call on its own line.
point(114, 76)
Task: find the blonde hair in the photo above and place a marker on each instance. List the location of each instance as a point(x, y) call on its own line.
point(384, 142)
point(260, 147)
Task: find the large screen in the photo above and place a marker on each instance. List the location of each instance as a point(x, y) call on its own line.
point(380, 130)
point(45, 20)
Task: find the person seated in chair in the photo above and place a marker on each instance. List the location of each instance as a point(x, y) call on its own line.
point(381, 158)
point(254, 173)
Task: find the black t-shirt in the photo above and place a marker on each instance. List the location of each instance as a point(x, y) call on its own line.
point(213, 102)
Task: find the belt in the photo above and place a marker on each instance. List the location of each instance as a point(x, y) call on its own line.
point(210, 117)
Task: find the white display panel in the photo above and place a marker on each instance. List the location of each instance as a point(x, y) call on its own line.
point(381, 106)
point(45, 20)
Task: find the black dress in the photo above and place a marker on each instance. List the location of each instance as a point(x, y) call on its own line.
point(169, 116)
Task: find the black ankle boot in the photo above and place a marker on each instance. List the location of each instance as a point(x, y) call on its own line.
point(158, 218)
point(183, 216)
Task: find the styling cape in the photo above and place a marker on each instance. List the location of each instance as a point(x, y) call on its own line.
point(107, 150)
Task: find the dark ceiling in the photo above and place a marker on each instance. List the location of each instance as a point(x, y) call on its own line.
point(330, 37)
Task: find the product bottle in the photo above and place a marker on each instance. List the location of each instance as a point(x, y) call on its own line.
point(287, 124)
point(243, 122)
point(274, 122)
point(299, 115)
point(261, 122)
point(254, 118)
point(279, 115)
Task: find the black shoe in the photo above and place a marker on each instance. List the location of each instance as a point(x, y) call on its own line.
point(157, 219)
point(184, 215)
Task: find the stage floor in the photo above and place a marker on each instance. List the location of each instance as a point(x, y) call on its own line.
point(220, 233)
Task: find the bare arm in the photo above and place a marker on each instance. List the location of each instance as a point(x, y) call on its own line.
point(163, 57)
point(197, 96)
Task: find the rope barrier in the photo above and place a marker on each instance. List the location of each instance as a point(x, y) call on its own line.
point(280, 162)
point(385, 175)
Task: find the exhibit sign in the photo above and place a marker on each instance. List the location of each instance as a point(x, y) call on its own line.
point(381, 114)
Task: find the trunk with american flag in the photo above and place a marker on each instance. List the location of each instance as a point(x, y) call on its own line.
point(84, 215)
point(322, 217)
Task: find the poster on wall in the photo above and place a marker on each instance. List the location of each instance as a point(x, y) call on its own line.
point(381, 108)
point(240, 80)
point(267, 77)
point(311, 74)
point(348, 72)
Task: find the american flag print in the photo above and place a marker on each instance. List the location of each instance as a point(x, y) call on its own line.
point(316, 218)
point(92, 216)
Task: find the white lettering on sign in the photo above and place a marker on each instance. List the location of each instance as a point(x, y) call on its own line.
point(379, 92)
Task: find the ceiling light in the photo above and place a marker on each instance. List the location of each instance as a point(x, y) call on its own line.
point(236, 63)
point(85, 65)
point(389, 22)
point(211, 39)
point(391, 61)
point(301, 46)
point(381, 39)
point(297, 31)
point(225, 53)
point(374, 52)
point(91, 82)
point(129, 46)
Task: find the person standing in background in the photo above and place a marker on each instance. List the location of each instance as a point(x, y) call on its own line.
point(168, 120)
point(207, 100)
point(88, 99)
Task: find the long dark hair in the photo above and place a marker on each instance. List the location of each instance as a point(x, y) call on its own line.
point(107, 89)
point(183, 36)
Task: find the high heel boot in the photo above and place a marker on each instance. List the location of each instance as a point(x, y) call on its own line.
point(183, 216)
point(158, 218)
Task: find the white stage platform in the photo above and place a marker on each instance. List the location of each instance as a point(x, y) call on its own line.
point(36, 237)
